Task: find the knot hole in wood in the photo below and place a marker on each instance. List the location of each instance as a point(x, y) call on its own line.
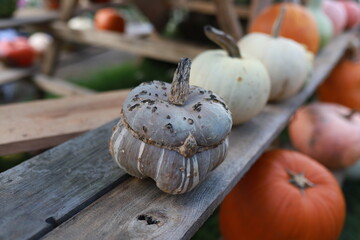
point(52, 221)
point(149, 219)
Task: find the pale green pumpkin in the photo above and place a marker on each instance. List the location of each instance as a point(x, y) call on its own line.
point(323, 22)
point(243, 82)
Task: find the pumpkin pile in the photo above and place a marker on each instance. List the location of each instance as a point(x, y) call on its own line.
point(182, 127)
point(242, 81)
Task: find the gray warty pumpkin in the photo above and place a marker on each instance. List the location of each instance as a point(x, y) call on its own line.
point(175, 134)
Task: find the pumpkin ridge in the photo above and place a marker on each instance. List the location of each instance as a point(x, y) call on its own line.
point(169, 147)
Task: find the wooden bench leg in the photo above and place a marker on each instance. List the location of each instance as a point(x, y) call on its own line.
point(228, 19)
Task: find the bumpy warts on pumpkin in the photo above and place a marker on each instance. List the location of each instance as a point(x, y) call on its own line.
point(175, 134)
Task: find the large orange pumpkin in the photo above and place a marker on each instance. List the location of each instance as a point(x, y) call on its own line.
point(343, 84)
point(298, 24)
point(285, 195)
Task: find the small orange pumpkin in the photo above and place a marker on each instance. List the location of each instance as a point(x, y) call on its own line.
point(109, 19)
point(343, 84)
point(298, 24)
point(285, 195)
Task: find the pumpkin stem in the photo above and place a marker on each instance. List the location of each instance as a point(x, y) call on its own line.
point(351, 113)
point(179, 91)
point(225, 41)
point(299, 180)
point(278, 23)
point(353, 50)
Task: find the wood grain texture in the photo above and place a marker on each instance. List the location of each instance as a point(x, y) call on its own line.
point(157, 47)
point(42, 124)
point(28, 17)
point(207, 7)
point(8, 75)
point(44, 191)
point(60, 87)
point(128, 211)
point(227, 18)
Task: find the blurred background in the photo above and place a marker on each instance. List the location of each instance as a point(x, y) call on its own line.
point(51, 49)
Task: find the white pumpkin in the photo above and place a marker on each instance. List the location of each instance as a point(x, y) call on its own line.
point(243, 82)
point(286, 60)
point(40, 41)
point(81, 23)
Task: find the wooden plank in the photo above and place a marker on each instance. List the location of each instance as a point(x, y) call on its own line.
point(29, 17)
point(43, 124)
point(156, 47)
point(60, 87)
point(227, 18)
point(42, 192)
point(8, 75)
point(207, 7)
point(118, 213)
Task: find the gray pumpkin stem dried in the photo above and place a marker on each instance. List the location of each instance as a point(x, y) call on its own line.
point(225, 41)
point(278, 23)
point(179, 91)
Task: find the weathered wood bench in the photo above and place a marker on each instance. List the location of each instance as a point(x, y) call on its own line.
point(76, 191)
point(42, 124)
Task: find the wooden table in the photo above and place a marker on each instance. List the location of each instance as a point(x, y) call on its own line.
point(31, 16)
point(76, 191)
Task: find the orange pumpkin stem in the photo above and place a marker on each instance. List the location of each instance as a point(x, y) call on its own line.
point(299, 180)
point(225, 41)
point(278, 23)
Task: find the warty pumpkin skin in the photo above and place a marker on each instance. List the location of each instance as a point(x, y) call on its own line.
point(174, 134)
point(343, 84)
point(286, 61)
point(329, 133)
point(298, 25)
point(242, 81)
point(268, 202)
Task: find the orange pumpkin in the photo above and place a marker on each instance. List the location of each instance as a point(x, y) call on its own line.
point(109, 19)
point(343, 84)
point(327, 132)
point(298, 24)
point(285, 195)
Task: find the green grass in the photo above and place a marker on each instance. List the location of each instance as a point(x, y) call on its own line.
point(351, 230)
point(9, 161)
point(126, 75)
